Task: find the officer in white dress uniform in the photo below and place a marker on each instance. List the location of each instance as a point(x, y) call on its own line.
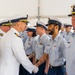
point(70, 54)
point(4, 27)
point(12, 50)
point(56, 48)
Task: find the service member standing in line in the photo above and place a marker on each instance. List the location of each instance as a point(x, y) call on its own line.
point(30, 42)
point(40, 46)
point(29, 48)
point(62, 31)
point(68, 31)
point(12, 50)
point(55, 49)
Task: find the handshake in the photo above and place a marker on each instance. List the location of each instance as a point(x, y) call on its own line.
point(35, 69)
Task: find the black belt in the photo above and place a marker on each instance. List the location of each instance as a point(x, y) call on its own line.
point(56, 66)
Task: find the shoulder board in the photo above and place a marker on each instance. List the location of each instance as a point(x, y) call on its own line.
point(1, 34)
point(16, 34)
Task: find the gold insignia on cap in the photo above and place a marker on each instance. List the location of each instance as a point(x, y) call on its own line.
point(23, 20)
point(6, 24)
point(73, 12)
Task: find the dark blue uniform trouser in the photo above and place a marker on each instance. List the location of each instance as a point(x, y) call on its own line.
point(56, 71)
point(41, 69)
point(23, 71)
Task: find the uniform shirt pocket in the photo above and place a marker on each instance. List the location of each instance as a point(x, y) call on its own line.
point(29, 44)
point(55, 51)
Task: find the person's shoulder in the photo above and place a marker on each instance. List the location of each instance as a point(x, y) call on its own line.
point(45, 37)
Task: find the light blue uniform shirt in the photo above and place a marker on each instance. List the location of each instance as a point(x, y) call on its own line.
point(62, 33)
point(70, 55)
point(67, 36)
point(56, 50)
point(24, 36)
point(40, 45)
point(29, 45)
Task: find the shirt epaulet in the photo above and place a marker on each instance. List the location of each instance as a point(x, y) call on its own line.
point(17, 35)
point(1, 34)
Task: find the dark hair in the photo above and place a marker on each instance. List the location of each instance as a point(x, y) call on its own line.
point(59, 26)
point(56, 25)
point(34, 34)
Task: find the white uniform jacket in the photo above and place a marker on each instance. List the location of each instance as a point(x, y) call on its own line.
point(1, 33)
point(13, 54)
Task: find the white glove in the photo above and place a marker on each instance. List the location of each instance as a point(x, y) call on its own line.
point(35, 69)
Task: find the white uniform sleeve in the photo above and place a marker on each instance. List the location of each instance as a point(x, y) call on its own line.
point(19, 53)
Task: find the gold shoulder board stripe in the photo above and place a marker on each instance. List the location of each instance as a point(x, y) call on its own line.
point(16, 34)
point(1, 34)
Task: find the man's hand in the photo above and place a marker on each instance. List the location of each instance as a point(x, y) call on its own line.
point(35, 69)
point(42, 59)
point(46, 70)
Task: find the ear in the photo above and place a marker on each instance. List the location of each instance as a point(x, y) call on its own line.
point(70, 28)
point(57, 27)
point(19, 24)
